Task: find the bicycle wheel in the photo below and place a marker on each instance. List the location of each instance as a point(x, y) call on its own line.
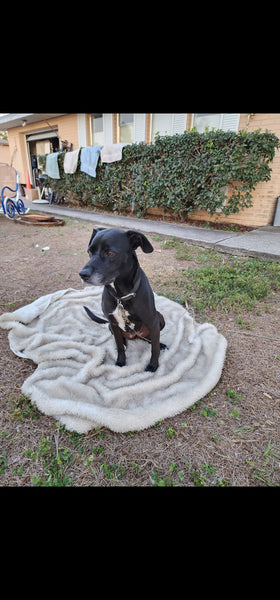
point(20, 207)
point(10, 208)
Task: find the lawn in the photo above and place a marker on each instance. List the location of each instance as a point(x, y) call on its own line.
point(228, 438)
point(219, 282)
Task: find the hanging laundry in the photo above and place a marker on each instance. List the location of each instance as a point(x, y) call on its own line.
point(52, 168)
point(112, 152)
point(71, 161)
point(89, 159)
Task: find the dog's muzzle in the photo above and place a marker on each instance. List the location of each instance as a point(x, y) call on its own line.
point(92, 278)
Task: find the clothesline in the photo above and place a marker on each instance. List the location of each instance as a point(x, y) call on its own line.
point(89, 159)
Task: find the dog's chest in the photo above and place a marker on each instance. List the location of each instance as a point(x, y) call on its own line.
point(122, 317)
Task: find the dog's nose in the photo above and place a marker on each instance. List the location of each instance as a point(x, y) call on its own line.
point(84, 274)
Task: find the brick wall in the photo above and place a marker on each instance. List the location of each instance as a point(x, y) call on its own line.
point(264, 197)
point(115, 128)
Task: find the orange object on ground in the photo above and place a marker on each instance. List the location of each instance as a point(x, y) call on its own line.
point(28, 184)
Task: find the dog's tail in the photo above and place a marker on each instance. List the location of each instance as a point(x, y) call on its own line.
point(94, 317)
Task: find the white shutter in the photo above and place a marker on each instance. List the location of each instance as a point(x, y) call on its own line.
point(230, 122)
point(139, 127)
point(162, 124)
point(224, 121)
point(202, 120)
point(108, 128)
point(169, 123)
point(179, 124)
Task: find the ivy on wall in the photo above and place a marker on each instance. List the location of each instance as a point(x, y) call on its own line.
point(183, 173)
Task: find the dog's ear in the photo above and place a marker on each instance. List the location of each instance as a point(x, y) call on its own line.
point(95, 231)
point(138, 239)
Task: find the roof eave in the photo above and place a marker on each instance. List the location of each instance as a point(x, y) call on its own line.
point(17, 119)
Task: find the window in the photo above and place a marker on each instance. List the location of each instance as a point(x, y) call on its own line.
point(224, 121)
point(126, 128)
point(97, 130)
point(168, 123)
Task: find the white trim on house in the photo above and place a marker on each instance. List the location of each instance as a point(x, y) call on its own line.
point(82, 132)
point(108, 128)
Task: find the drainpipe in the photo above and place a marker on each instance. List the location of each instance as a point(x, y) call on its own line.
point(277, 213)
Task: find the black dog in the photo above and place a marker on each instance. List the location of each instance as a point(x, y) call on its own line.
point(129, 304)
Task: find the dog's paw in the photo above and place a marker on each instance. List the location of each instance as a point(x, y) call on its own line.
point(120, 362)
point(151, 368)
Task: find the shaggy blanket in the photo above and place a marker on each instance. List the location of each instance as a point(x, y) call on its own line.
point(76, 380)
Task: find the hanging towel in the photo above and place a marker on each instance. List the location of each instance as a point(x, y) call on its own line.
point(71, 161)
point(89, 159)
point(52, 169)
point(112, 152)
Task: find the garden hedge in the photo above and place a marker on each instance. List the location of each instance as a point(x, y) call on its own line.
point(183, 173)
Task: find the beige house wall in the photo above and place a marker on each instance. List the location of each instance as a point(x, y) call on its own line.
point(5, 153)
point(67, 130)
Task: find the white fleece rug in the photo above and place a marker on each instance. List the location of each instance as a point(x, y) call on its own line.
point(76, 380)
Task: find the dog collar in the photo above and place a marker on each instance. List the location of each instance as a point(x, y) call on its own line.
point(128, 296)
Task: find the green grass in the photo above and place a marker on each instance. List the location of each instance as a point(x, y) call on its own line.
point(238, 284)
point(55, 464)
point(267, 467)
point(22, 408)
point(202, 256)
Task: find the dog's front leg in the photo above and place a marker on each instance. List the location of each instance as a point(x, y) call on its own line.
point(121, 360)
point(154, 335)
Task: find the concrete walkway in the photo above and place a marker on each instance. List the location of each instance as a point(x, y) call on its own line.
point(263, 242)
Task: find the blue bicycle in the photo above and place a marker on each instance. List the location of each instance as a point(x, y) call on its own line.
point(9, 180)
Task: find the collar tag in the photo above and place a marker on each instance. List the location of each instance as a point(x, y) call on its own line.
point(127, 297)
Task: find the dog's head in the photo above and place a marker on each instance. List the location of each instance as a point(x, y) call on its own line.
point(111, 252)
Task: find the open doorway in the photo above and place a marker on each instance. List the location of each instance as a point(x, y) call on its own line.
point(39, 144)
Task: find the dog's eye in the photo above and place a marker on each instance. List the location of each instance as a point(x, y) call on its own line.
point(110, 253)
